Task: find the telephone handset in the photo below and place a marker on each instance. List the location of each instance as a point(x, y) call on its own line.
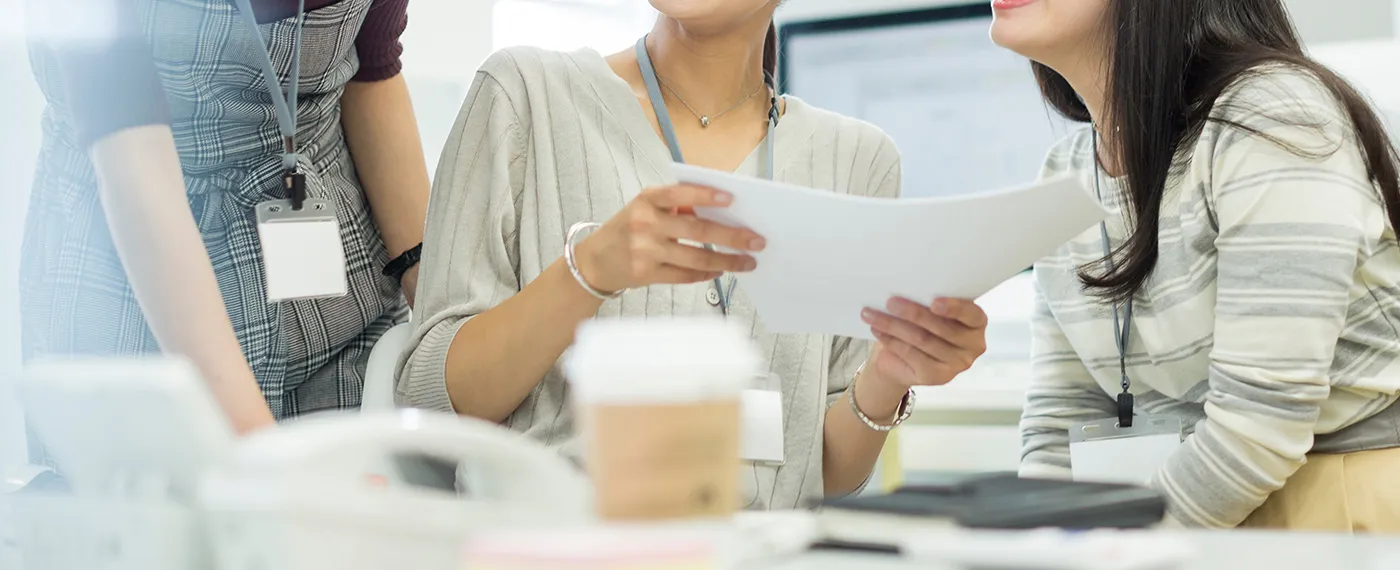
point(296, 496)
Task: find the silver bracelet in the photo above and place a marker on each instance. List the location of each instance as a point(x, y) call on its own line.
point(906, 407)
point(571, 261)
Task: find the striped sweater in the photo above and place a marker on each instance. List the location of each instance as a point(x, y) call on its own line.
point(1269, 324)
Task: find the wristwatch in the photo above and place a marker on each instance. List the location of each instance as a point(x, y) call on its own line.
point(404, 262)
point(906, 407)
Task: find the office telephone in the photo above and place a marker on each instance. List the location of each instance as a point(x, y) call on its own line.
point(159, 481)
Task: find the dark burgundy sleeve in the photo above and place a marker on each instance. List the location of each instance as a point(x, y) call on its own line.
point(378, 43)
point(109, 78)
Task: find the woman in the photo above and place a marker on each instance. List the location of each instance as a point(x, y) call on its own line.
point(132, 248)
point(547, 141)
point(1253, 261)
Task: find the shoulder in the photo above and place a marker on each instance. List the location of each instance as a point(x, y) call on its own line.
point(1073, 153)
point(527, 75)
point(1274, 112)
point(831, 128)
point(867, 151)
point(1279, 96)
point(524, 70)
point(1272, 87)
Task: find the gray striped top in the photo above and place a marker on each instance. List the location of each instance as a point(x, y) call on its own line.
point(547, 139)
point(1269, 325)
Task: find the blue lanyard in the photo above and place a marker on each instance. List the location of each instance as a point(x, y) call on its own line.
point(1122, 325)
point(284, 105)
point(668, 131)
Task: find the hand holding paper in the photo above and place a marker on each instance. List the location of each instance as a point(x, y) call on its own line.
point(642, 244)
point(829, 256)
point(922, 345)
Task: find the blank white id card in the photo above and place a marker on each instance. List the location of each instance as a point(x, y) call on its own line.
point(1103, 452)
point(761, 413)
point(303, 257)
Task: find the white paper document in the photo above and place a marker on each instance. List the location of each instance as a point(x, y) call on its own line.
point(830, 255)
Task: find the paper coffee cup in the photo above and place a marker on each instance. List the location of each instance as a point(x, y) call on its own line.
point(659, 407)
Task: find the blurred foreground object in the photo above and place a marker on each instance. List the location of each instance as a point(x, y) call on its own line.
point(660, 410)
point(299, 498)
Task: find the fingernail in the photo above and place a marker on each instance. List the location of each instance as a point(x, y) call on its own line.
point(723, 198)
point(867, 315)
point(757, 244)
point(750, 264)
point(940, 307)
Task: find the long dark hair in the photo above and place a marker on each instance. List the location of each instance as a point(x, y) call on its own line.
point(1170, 61)
point(770, 52)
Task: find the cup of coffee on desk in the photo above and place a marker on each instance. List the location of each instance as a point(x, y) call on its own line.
point(659, 406)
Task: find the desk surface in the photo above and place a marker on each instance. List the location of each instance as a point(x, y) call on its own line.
point(1221, 550)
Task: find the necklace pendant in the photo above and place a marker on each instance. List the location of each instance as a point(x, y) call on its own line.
point(705, 121)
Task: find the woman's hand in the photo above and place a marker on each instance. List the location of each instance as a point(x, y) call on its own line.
point(640, 246)
point(925, 345)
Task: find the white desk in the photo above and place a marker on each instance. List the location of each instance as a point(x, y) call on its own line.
point(1223, 550)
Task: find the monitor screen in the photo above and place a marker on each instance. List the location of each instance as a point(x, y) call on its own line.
point(966, 114)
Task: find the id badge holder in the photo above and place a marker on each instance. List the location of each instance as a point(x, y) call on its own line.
point(303, 257)
point(761, 413)
point(1105, 452)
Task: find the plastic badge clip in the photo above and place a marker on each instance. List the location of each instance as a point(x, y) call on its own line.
point(1125, 409)
point(295, 184)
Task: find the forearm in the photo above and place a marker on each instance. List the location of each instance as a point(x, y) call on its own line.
point(1259, 428)
point(850, 447)
point(498, 357)
point(1062, 394)
point(143, 195)
point(1054, 405)
point(382, 133)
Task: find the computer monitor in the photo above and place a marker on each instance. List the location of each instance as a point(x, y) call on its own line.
point(966, 114)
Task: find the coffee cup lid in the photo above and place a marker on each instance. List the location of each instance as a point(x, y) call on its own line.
point(660, 360)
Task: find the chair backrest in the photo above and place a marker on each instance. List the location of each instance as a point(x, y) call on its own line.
point(379, 372)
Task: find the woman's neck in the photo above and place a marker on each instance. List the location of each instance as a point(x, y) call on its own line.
point(1089, 79)
point(711, 71)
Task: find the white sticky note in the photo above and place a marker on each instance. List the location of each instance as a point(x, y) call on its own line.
point(303, 259)
point(761, 438)
point(844, 253)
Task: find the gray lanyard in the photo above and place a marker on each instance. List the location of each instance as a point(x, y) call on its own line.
point(284, 105)
point(1122, 330)
point(668, 131)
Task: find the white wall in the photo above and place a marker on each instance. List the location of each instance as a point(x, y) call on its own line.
point(445, 43)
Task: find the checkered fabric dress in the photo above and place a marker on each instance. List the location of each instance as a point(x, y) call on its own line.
point(307, 355)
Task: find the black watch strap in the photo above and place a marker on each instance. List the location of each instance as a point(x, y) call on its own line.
point(405, 261)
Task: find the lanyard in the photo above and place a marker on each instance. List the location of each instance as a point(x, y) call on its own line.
point(284, 105)
point(668, 131)
point(1122, 323)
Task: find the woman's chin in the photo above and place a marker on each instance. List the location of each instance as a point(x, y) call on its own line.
point(1012, 36)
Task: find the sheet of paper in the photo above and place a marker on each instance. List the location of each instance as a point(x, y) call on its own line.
point(829, 255)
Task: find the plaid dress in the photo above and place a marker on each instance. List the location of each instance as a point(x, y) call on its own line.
point(75, 297)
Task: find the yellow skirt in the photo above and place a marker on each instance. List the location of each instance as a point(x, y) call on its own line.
point(1345, 492)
